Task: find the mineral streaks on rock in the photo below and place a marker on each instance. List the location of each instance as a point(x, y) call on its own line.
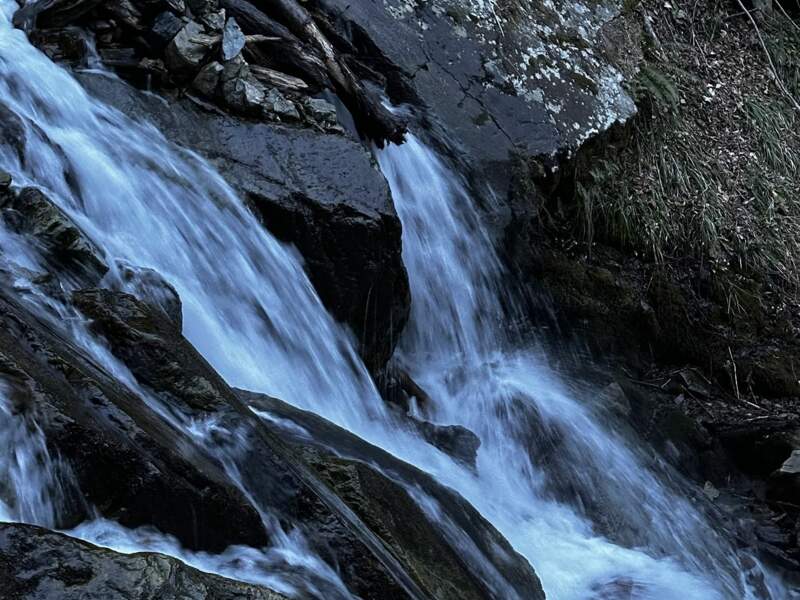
point(549, 53)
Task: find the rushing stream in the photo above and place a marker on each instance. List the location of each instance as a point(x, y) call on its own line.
point(566, 491)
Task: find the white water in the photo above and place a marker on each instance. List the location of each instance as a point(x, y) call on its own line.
point(252, 313)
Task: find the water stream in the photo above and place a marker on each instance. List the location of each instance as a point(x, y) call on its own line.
point(547, 467)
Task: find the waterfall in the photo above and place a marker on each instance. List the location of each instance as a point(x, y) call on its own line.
point(544, 455)
point(252, 313)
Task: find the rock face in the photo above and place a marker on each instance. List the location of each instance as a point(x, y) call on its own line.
point(118, 455)
point(510, 78)
point(36, 563)
point(375, 485)
point(124, 459)
point(31, 212)
point(320, 192)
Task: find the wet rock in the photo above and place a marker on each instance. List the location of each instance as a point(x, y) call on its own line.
point(116, 453)
point(323, 112)
point(215, 22)
point(245, 96)
point(202, 7)
point(455, 440)
point(150, 287)
point(784, 483)
point(320, 192)
point(126, 13)
point(553, 88)
point(36, 563)
point(64, 244)
point(168, 366)
point(53, 13)
point(188, 50)
point(425, 530)
point(232, 39)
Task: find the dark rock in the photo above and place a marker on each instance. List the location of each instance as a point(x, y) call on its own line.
point(455, 440)
point(118, 454)
point(126, 13)
point(244, 95)
point(276, 104)
point(320, 192)
point(214, 21)
point(207, 80)
point(784, 483)
point(202, 7)
point(64, 244)
point(5, 181)
point(496, 78)
point(323, 112)
point(232, 39)
point(374, 484)
point(36, 563)
point(164, 29)
point(151, 288)
point(53, 13)
point(274, 477)
point(188, 50)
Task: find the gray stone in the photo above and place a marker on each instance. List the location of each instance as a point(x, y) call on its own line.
point(792, 464)
point(189, 49)
point(245, 96)
point(63, 242)
point(207, 80)
point(233, 39)
point(214, 21)
point(36, 563)
point(323, 112)
point(165, 27)
point(276, 104)
point(548, 88)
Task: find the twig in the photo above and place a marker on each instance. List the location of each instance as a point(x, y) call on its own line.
point(778, 80)
point(735, 375)
point(785, 14)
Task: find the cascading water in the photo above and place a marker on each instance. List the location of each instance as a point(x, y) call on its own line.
point(540, 445)
point(250, 310)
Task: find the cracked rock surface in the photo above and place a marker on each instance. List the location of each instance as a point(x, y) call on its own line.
point(511, 77)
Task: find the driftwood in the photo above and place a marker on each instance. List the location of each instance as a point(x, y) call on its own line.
point(288, 54)
point(278, 79)
point(305, 44)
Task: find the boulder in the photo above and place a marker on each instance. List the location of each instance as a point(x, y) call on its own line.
point(784, 483)
point(503, 79)
point(118, 454)
point(53, 13)
point(164, 29)
point(276, 479)
point(63, 243)
point(37, 564)
point(430, 542)
point(322, 193)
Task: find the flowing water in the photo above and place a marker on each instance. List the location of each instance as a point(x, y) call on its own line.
point(567, 492)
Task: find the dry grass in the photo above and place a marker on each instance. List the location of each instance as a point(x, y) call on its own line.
point(711, 170)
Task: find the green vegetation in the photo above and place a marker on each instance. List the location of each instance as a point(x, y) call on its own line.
point(710, 170)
